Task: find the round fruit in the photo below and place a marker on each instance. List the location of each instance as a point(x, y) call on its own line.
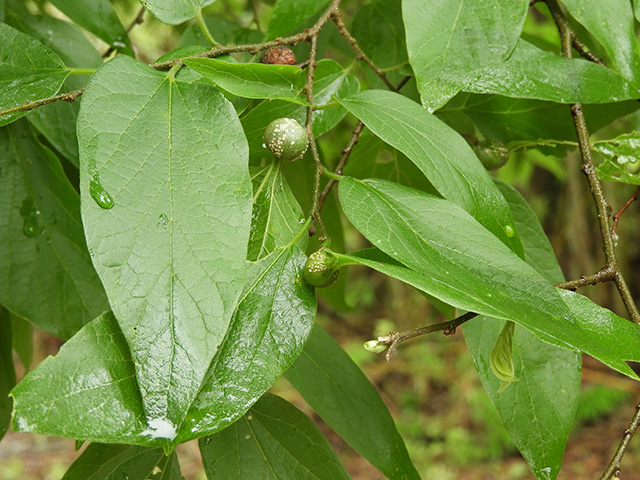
point(321, 269)
point(279, 56)
point(492, 153)
point(286, 138)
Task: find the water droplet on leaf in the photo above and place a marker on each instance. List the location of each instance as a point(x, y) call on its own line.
point(30, 218)
point(509, 231)
point(99, 194)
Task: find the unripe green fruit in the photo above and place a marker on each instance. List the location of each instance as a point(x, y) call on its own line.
point(321, 269)
point(492, 153)
point(286, 138)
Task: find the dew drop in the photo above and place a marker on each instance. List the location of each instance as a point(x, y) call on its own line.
point(509, 231)
point(30, 218)
point(163, 222)
point(99, 194)
point(615, 239)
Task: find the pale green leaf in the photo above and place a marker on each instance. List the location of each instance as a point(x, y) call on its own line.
point(166, 204)
point(458, 261)
point(451, 44)
point(274, 440)
point(174, 12)
point(442, 155)
point(534, 73)
point(44, 250)
point(253, 80)
point(621, 158)
point(28, 71)
point(288, 14)
point(343, 397)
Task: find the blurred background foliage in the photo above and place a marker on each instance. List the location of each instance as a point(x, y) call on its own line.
point(451, 428)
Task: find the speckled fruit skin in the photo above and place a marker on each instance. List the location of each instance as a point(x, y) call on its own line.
point(320, 269)
point(286, 138)
point(492, 153)
point(279, 56)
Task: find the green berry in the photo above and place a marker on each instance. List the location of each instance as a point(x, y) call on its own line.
point(321, 269)
point(286, 138)
point(492, 153)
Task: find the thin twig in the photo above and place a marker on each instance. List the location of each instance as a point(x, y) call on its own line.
point(138, 20)
point(613, 469)
point(589, 170)
point(65, 97)
point(360, 55)
point(617, 216)
point(584, 51)
point(607, 274)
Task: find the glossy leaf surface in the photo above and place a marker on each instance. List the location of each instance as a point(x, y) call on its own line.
point(44, 251)
point(538, 410)
point(442, 155)
point(253, 80)
point(451, 44)
point(345, 399)
point(166, 202)
point(113, 462)
point(621, 158)
point(99, 17)
point(288, 14)
point(458, 261)
point(28, 70)
point(532, 73)
point(274, 440)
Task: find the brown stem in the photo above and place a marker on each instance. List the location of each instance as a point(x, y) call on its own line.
point(607, 274)
point(602, 208)
point(360, 55)
point(65, 97)
point(613, 469)
point(617, 216)
point(138, 20)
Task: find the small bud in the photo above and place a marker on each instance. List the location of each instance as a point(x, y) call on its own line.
point(374, 346)
point(501, 357)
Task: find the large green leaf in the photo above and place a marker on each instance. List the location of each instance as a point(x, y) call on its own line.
point(57, 121)
point(330, 79)
point(276, 217)
point(92, 380)
point(274, 440)
point(174, 12)
point(345, 399)
point(166, 203)
point(93, 376)
point(537, 410)
point(28, 71)
point(99, 17)
point(612, 24)
point(130, 462)
point(621, 158)
point(451, 44)
point(44, 250)
point(288, 14)
point(440, 152)
point(253, 80)
point(7, 371)
point(267, 333)
point(533, 73)
point(380, 32)
point(455, 259)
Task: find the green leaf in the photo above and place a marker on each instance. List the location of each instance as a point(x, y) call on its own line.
point(461, 263)
point(612, 24)
point(91, 380)
point(7, 372)
point(28, 71)
point(111, 462)
point(253, 80)
point(289, 14)
point(533, 73)
point(380, 32)
point(452, 44)
point(57, 121)
point(99, 17)
point(45, 254)
point(621, 156)
point(166, 204)
point(440, 152)
point(276, 216)
point(274, 440)
point(174, 12)
point(268, 331)
point(22, 340)
point(539, 409)
point(330, 79)
point(344, 398)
